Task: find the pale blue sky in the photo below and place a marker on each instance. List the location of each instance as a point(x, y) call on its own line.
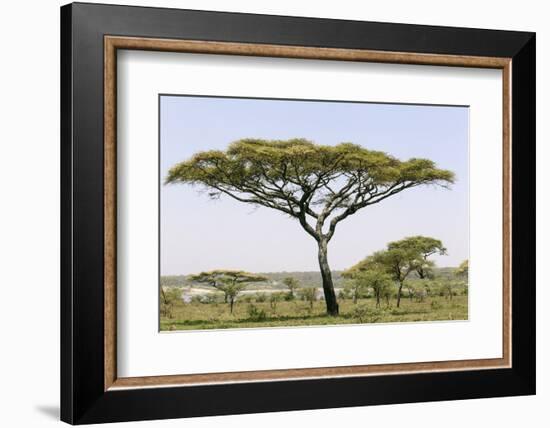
point(199, 234)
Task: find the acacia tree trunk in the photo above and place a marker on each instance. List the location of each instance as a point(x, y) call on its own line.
point(328, 286)
point(399, 293)
point(231, 302)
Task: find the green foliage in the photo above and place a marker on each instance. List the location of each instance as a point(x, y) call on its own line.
point(289, 297)
point(255, 314)
point(274, 298)
point(400, 259)
point(230, 282)
point(424, 247)
point(261, 297)
point(343, 294)
point(296, 176)
point(308, 294)
point(248, 162)
point(168, 297)
point(360, 312)
point(215, 277)
point(369, 275)
point(231, 289)
point(396, 262)
point(462, 270)
point(292, 284)
point(354, 289)
point(274, 284)
point(420, 288)
point(425, 269)
point(450, 288)
point(274, 280)
point(364, 313)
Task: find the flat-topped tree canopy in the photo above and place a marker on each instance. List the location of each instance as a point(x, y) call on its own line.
point(230, 282)
point(220, 276)
point(319, 185)
point(425, 245)
point(368, 264)
point(297, 176)
point(462, 269)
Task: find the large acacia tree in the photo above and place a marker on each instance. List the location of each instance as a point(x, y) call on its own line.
point(318, 185)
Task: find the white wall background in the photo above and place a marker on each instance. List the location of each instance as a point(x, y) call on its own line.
point(29, 213)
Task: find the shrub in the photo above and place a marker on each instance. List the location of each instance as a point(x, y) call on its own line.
point(289, 297)
point(168, 298)
point(261, 297)
point(365, 314)
point(274, 298)
point(255, 314)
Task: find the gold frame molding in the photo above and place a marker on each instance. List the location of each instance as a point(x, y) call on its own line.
point(113, 43)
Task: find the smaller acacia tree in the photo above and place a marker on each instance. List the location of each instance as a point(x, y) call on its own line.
point(462, 270)
point(354, 285)
point(380, 282)
point(168, 296)
point(369, 274)
point(411, 254)
point(230, 282)
point(403, 257)
point(398, 262)
point(275, 298)
point(425, 247)
point(449, 288)
point(355, 288)
point(292, 284)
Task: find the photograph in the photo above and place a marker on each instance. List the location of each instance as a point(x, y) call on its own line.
point(293, 213)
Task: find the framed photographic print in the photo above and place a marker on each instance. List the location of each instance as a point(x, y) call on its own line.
point(266, 213)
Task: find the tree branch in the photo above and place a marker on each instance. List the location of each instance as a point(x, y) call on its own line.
point(373, 199)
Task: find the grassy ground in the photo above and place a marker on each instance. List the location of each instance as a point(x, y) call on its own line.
point(196, 316)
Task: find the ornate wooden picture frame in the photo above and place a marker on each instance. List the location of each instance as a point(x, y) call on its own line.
point(91, 389)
